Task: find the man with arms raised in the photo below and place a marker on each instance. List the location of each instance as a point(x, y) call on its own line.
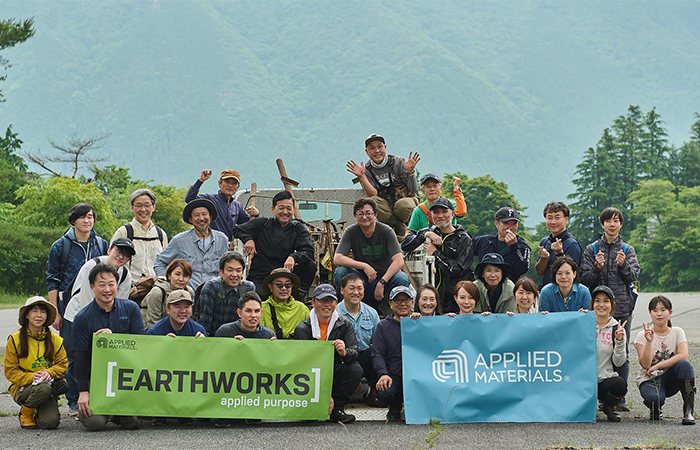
point(390, 181)
point(218, 299)
point(506, 243)
point(386, 352)
point(149, 239)
point(201, 246)
point(105, 314)
point(452, 248)
point(325, 324)
point(230, 211)
point(280, 312)
point(376, 254)
point(279, 241)
point(431, 187)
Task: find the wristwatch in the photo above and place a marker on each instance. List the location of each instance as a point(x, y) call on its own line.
point(382, 281)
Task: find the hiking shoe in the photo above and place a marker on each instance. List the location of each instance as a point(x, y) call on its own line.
point(394, 414)
point(26, 418)
point(339, 415)
point(129, 423)
point(223, 423)
point(622, 406)
point(73, 410)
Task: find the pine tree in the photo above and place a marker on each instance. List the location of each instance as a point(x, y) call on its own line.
point(655, 155)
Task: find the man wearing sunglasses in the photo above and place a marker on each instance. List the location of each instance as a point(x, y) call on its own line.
point(280, 312)
point(376, 254)
point(325, 324)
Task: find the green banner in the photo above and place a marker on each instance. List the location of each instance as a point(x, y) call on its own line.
point(210, 377)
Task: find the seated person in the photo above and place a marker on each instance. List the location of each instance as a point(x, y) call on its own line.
point(495, 288)
point(105, 314)
point(386, 352)
point(35, 363)
point(565, 293)
point(279, 241)
point(376, 254)
point(248, 326)
point(201, 246)
point(178, 322)
point(325, 324)
point(364, 320)
point(450, 245)
point(431, 187)
point(390, 181)
point(177, 275)
point(559, 243)
point(218, 299)
point(506, 243)
point(280, 312)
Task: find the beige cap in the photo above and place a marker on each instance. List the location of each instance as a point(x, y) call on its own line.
point(179, 295)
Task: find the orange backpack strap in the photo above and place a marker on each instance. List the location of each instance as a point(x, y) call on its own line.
point(423, 207)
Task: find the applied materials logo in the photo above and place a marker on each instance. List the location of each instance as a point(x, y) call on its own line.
point(449, 364)
point(101, 343)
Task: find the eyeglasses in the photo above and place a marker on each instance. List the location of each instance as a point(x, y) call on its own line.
point(364, 214)
point(325, 300)
point(406, 301)
point(283, 286)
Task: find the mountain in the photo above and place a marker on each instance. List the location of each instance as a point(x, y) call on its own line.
point(518, 90)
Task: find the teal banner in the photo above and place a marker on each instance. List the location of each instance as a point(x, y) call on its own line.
point(210, 377)
point(525, 368)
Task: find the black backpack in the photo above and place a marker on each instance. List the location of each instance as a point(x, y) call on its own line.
point(130, 234)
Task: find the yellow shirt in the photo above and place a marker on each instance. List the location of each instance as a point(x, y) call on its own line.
point(20, 372)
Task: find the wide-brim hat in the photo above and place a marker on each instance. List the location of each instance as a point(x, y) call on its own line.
point(37, 300)
point(199, 203)
point(493, 259)
point(279, 273)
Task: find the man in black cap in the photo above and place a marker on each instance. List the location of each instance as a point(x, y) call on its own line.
point(325, 324)
point(390, 181)
point(201, 246)
point(431, 187)
point(506, 243)
point(451, 246)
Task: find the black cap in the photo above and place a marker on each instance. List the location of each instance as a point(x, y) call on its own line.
point(124, 244)
point(429, 176)
point(507, 213)
point(442, 202)
point(374, 137)
point(605, 290)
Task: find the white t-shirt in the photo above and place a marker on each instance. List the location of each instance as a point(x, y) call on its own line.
point(82, 294)
point(662, 348)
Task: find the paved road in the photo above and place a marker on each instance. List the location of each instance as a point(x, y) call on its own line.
point(370, 432)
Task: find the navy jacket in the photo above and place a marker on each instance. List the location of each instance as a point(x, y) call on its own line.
point(59, 276)
point(386, 348)
point(518, 255)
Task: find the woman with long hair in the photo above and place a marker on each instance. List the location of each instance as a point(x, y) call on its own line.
point(35, 363)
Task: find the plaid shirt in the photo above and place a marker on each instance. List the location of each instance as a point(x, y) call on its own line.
point(212, 315)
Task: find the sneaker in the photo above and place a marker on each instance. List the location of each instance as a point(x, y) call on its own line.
point(373, 401)
point(223, 423)
point(339, 415)
point(622, 406)
point(394, 414)
point(129, 423)
point(73, 410)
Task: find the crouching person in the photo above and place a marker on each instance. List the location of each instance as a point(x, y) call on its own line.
point(386, 352)
point(35, 363)
point(325, 324)
point(106, 314)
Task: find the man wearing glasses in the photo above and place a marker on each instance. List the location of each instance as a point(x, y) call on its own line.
point(376, 254)
point(149, 239)
point(280, 312)
point(326, 324)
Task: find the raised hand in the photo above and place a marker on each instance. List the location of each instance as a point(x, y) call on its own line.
point(205, 175)
point(355, 169)
point(410, 163)
point(542, 252)
point(599, 260)
point(557, 246)
point(648, 331)
point(620, 333)
point(620, 258)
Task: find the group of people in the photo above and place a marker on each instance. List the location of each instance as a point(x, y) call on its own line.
point(195, 285)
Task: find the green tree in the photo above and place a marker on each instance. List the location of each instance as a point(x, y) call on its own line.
point(47, 204)
point(12, 33)
point(654, 139)
point(13, 170)
point(685, 161)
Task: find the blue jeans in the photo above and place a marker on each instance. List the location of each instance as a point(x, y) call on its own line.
point(393, 396)
point(654, 392)
point(72, 394)
point(624, 370)
point(399, 279)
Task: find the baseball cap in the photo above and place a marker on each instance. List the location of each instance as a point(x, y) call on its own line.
point(442, 202)
point(179, 295)
point(374, 137)
point(124, 243)
point(429, 176)
point(507, 213)
point(402, 290)
point(323, 291)
point(230, 174)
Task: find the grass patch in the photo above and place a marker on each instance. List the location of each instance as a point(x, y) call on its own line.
point(9, 414)
point(435, 429)
point(11, 301)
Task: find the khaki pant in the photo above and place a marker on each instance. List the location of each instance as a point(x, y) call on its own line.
point(40, 397)
point(398, 216)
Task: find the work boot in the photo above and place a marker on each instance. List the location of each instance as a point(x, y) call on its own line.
point(687, 386)
point(26, 418)
point(609, 407)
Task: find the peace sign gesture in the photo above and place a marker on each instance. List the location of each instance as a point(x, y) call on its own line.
point(410, 163)
point(620, 333)
point(648, 331)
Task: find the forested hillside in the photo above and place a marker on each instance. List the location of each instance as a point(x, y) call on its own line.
point(518, 90)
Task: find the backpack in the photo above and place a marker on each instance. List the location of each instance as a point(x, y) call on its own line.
point(220, 296)
point(130, 234)
point(65, 254)
point(142, 287)
point(65, 296)
point(631, 287)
